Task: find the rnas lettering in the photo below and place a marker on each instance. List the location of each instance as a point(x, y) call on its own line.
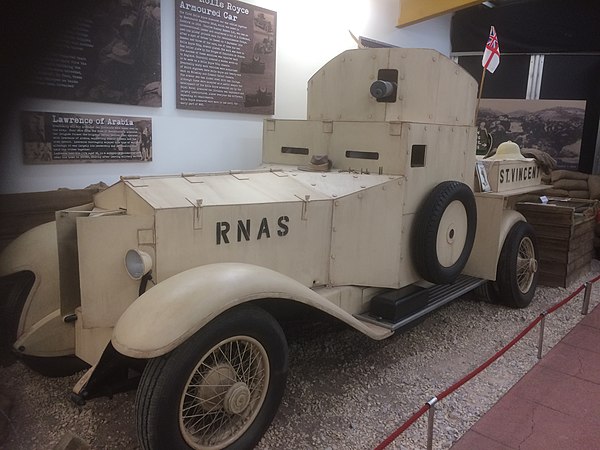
point(244, 231)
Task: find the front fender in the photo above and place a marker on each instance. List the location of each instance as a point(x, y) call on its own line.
point(172, 311)
point(35, 250)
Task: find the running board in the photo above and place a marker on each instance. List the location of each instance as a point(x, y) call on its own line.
point(438, 294)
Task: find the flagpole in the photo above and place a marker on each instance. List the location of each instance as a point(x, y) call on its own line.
point(480, 92)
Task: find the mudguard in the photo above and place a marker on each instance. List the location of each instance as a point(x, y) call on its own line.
point(35, 251)
point(172, 311)
point(509, 218)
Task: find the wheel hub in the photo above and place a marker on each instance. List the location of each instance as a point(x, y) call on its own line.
point(533, 265)
point(215, 386)
point(237, 398)
point(450, 234)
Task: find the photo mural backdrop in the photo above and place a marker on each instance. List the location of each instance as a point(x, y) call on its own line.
point(109, 52)
point(225, 56)
point(553, 126)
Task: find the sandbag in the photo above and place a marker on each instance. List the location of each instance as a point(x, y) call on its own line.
point(594, 186)
point(579, 194)
point(570, 185)
point(568, 174)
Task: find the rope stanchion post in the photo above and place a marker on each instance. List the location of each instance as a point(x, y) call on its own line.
point(541, 338)
point(586, 298)
point(430, 419)
point(430, 405)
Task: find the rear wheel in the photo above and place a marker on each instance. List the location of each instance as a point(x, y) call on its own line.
point(220, 389)
point(517, 273)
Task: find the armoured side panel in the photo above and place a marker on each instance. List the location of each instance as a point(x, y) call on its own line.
point(457, 95)
point(367, 147)
point(330, 99)
point(111, 198)
point(366, 236)
point(431, 89)
point(448, 155)
point(68, 258)
point(293, 142)
point(292, 238)
point(106, 293)
point(135, 204)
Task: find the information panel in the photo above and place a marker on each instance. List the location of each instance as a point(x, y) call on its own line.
point(225, 56)
point(108, 52)
point(50, 137)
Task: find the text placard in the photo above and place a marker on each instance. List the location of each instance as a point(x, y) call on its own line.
point(50, 137)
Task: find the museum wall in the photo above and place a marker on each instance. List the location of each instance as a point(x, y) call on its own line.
point(309, 33)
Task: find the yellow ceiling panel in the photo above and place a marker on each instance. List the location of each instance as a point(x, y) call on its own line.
point(413, 11)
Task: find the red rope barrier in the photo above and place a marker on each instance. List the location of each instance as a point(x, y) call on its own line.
point(486, 364)
point(403, 428)
point(482, 367)
point(566, 300)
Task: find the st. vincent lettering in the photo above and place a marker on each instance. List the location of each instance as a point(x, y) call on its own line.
point(246, 230)
point(516, 174)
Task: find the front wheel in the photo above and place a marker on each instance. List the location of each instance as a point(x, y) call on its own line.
point(517, 273)
point(219, 389)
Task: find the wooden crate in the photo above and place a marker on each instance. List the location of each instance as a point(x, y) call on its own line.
point(565, 233)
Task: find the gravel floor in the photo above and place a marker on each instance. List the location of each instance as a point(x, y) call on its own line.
point(344, 391)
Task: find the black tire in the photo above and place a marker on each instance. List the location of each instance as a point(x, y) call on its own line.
point(164, 394)
point(432, 227)
point(517, 274)
point(14, 291)
point(487, 292)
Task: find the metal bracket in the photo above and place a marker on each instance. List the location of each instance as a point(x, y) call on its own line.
point(197, 213)
point(239, 176)
point(279, 173)
point(305, 201)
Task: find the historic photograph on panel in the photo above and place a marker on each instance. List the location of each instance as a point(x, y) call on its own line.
point(108, 53)
point(225, 56)
point(553, 126)
point(50, 137)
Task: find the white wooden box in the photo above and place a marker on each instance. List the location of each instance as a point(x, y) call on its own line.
point(506, 175)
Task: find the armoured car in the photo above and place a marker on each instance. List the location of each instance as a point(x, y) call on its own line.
point(369, 212)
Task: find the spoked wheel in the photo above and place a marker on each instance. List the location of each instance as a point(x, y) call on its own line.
point(220, 389)
point(224, 393)
point(517, 273)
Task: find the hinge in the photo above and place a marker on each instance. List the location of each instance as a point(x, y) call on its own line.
point(197, 212)
point(305, 201)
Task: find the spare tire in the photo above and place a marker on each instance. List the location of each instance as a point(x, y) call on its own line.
point(444, 232)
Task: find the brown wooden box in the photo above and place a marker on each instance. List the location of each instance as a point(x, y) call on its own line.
point(565, 234)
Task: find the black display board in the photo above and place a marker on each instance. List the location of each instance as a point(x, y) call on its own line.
point(100, 51)
point(225, 53)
